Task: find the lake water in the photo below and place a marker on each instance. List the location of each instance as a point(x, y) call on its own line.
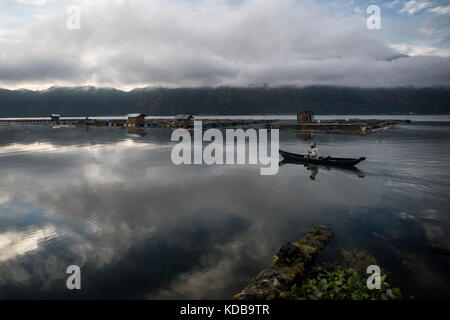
point(140, 227)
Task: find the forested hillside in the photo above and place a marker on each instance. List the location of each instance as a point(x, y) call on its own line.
point(223, 100)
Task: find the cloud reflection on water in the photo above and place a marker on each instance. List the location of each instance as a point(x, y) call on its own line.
point(142, 227)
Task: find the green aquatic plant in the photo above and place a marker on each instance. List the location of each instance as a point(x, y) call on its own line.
point(358, 259)
point(339, 283)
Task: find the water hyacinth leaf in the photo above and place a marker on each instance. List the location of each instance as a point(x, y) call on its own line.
point(397, 293)
point(339, 283)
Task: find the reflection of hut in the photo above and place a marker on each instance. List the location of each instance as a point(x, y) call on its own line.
point(306, 116)
point(54, 117)
point(184, 118)
point(136, 132)
point(136, 119)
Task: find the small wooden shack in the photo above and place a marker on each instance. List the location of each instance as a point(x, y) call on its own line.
point(54, 117)
point(136, 119)
point(306, 116)
point(184, 118)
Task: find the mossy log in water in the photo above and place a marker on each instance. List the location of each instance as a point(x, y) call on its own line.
point(288, 266)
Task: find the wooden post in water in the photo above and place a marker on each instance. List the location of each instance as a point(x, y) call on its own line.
point(438, 250)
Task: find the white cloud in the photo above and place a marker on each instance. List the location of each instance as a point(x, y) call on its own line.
point(4, 197)
point(440, 10)
point(143, 43)
point(413, 6)
point(391, 4)
point(14, 244)
point(418, 50)
point(32, 2)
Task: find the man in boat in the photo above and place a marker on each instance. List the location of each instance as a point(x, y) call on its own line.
point(314, 152)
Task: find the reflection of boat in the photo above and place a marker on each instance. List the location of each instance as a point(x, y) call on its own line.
point(327, 161)
point(314, 168)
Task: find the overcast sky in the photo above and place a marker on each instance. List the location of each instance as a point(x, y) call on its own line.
point(173, 43)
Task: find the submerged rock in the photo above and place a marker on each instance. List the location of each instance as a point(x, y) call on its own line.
point(289, 265)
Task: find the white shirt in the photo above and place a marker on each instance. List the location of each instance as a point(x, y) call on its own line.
point(314, 153)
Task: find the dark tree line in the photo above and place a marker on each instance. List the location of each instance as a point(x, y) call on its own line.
point(224, 101)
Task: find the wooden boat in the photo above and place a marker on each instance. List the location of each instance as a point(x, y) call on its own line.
point(326, 161)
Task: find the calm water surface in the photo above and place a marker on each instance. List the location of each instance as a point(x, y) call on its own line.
point(113, 203)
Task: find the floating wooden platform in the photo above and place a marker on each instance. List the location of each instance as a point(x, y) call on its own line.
point(332, 126)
